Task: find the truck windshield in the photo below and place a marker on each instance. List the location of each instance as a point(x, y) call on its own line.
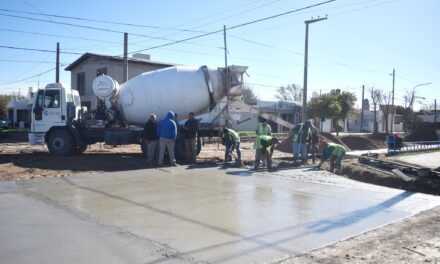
point(52, 99)
point(76, 101)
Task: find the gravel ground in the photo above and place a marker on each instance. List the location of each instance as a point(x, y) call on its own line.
point(412, 240)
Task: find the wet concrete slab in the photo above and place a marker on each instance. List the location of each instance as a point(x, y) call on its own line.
point(231, 215)
point(428, 160)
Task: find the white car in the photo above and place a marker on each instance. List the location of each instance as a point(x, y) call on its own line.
point(5, 123)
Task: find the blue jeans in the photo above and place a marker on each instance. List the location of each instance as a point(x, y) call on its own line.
point(299, 149)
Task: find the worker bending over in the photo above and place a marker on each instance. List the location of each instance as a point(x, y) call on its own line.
point(264, 146)
point(334, 152)
point(231, 140)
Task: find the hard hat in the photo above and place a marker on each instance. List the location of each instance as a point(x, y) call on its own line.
point(323, 142)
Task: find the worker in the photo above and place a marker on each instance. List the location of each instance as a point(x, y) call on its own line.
point(334, 152)
point(167, 131)
point(190, 129)
point(301, 135)
point(263, 128)
point(231, 140)
point(177, 124)
point(264, 146)
point(314, 140)
point(151, 138)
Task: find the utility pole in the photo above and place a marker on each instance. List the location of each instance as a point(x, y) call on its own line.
point(306, 55)
point(125, 70)
point(392, 108)
point(435, 113)
point(226, 78)
point(362, 109)
point(57, 67)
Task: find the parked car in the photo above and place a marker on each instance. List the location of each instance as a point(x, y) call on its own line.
point(5, 123)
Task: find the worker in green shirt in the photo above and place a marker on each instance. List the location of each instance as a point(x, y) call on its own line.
point(231, 140)
point(264, 146)
point(334, 153)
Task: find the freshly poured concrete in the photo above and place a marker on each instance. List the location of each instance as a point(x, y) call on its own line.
point(428, 160)
point(222, 216)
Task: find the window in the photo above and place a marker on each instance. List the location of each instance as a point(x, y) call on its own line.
point(101, 71)
point(73, 98)
point(40, 97)
point(52, 99)
point(81, 83)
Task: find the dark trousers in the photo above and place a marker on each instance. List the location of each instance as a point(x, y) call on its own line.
point(230, 148)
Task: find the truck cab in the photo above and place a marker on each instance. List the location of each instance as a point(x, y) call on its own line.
point(54, 109)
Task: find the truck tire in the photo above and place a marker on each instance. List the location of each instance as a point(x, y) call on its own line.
point(179, 148)
point(60, 143)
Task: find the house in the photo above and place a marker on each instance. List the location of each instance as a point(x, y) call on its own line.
point(287, 110)
point(85, 69)
point(245, 120)
point(383, 123)
point(19, 110)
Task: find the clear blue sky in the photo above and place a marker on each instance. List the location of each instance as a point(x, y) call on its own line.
point(360, 43)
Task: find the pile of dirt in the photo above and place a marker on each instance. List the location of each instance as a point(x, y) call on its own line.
point(362, 143)
point(334, 139)
point(286, 145)
point(425, 134)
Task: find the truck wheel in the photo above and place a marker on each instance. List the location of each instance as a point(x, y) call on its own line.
point(60, 143)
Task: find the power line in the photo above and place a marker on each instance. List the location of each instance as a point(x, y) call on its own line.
point(100, 21)
point(238, 14)
point(236, 26)
point(41, 50)
point(27, 78)
point(97, 28)
point(27, 61)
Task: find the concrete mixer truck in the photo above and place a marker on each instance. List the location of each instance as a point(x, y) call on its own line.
point(59, 121)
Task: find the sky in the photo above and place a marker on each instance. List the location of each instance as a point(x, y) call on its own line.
point(359, 43)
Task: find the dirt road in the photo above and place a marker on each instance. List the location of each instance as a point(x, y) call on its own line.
point(20, 160)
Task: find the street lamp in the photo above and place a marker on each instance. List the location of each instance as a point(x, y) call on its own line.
point(414, 93)
point(306, 55)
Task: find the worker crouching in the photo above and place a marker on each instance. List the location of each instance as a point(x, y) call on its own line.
point(231, 140)
point(264, 146)
point(334, 153)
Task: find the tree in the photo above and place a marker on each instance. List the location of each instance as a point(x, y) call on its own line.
point(334, 105)
point(249, 96)
point(5, 98)
point(291, 92)
point(317, 108)
point(376, 98)
point(385, 100)
point(407, 115)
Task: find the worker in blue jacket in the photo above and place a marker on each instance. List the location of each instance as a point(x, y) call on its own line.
point(167, 131)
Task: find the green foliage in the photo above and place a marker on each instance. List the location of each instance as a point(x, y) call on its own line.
point(291, 92)
point(336, 105)
point(4, 99)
